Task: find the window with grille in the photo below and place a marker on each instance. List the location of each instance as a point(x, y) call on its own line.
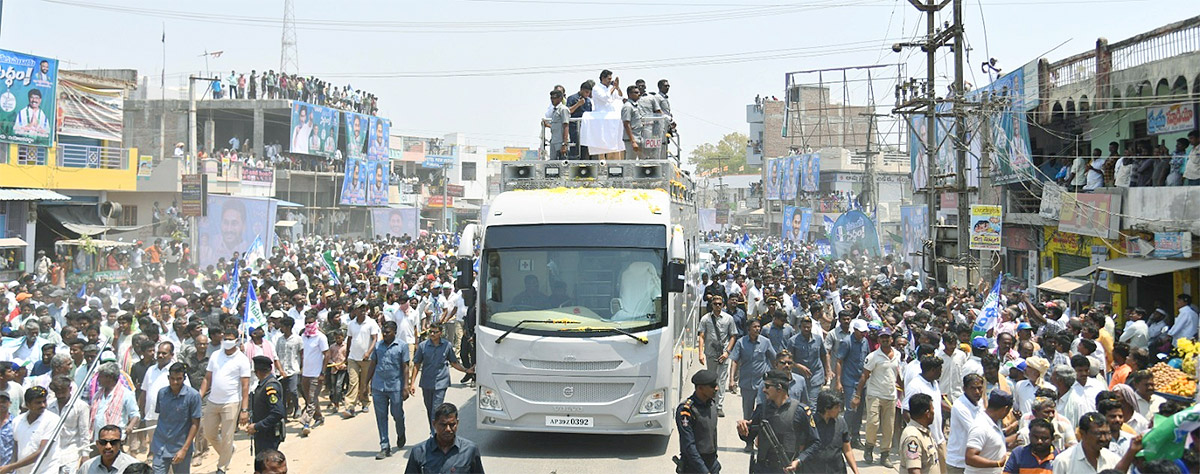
point(468, 171)
point(128, 216)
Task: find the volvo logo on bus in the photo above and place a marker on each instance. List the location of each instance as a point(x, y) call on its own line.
point(568, 391)
point(565, 408)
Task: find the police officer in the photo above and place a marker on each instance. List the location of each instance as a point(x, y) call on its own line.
point(918, 450)
point(266, 408)
point(791, 425)
point(696, 419)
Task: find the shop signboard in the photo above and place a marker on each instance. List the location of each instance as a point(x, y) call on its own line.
point(1172, 245)
point(257, 176)
point(455, 190)
point(1171, 118)
point(192, 190)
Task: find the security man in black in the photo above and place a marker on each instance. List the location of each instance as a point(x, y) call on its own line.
point(696, 419)
point(792, 428)
point(266, 408)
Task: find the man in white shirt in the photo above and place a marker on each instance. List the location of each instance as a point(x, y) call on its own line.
point(362, 333)
point(606, 95)
point(75, 439)
point(226, 386)
point(1026, 390)
point(1136, 333)
point(927, 383)
point(1073, 401)
point(1095, 172)
point(452, 312)
point(33, 431)
point(962, 417)
point(1091, 455)
point(953, 361)
point(31, 121)
point(1185, 322)
point(985, 447)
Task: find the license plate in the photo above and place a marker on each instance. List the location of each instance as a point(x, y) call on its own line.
point(569, 421)
point(653, 142)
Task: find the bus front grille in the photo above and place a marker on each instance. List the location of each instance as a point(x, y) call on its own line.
point(565, 392)
point(569, 365)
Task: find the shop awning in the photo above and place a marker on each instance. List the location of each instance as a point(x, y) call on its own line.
point(1064, 285)
point(1082, 272)
point(31, 195)
point(465, 206)
point(283, 203)
point(285, 223)
point(1141, 267)
point(103, 244)
point(11, 242)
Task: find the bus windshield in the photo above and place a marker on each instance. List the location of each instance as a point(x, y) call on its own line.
point(572, 291)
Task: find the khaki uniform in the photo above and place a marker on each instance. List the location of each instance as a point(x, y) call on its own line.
point(918, 450)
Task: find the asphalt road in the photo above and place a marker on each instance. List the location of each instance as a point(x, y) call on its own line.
point(350, 445)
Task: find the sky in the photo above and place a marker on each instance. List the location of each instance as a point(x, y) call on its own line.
point(485, 67)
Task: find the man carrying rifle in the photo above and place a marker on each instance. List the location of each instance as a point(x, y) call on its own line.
point(782, 426)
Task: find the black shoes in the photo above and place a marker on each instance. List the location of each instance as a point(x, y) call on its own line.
point(384, 453)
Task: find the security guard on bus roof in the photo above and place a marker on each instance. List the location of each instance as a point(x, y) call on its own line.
point(696, 419)
point(266, 414)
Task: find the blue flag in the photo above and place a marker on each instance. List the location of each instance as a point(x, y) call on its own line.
point(821, 277)
point(82, 290)
point(990, 315)
point(252, 317)
point(234, 288)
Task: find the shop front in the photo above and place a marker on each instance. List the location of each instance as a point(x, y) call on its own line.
point(1067, 253)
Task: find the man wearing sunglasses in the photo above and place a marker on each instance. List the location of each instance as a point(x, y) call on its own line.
point(111, 459)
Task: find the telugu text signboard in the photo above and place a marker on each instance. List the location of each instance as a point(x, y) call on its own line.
point(1170, 118)
point(985, 227)
point(192, 189)
point(28, 95)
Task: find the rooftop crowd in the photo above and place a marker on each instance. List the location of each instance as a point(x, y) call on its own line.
point(280, 85)
point(858, 356)
point(1137, 165)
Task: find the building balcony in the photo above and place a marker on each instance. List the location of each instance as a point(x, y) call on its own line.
point(72, 167)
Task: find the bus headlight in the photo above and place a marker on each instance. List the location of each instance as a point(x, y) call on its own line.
point(655, 402)
point(489, 399)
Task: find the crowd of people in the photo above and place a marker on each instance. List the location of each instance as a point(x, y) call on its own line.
point(860, 355)
point(168, 363)
point(280, 85)
point(1137, 165)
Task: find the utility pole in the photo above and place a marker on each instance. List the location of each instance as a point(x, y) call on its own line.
point(916, 98)
point(960, 139)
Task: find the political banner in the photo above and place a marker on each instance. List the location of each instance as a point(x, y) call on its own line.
point(810, 172)
point(395, 221)
point(391, 266)
point(89, 112)
point(377, 147)
point(796, 222)
point(854, 235)
point(314, 130)
point(257, 176)
point(145, 167)
point(377, 187)
point(790, 172)
point(358, 130)
point(914, 231)
point(232, 224)
point(985, 227)
point(354, 183)
point(28, 93)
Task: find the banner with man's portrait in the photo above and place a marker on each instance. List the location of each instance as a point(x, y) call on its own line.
point(231, 226)
point(28, 95)
point(395, 221)
point(314, 130)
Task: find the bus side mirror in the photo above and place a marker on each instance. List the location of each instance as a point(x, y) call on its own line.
point(675, 276)
point(466, 274)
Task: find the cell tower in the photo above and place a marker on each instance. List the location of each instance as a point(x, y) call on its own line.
point(289, 59)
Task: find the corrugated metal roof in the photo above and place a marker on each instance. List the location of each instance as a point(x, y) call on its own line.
point(31, 195)
point(1143, 267)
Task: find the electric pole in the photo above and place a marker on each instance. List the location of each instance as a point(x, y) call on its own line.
point(960, 139)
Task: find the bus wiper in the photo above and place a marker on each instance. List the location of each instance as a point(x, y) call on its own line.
point(613, 329)
point(543, 321)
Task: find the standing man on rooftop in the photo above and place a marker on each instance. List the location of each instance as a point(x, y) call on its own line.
point(577, 104)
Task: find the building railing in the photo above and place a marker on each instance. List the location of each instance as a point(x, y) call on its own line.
point(31, 155)
point(93, 157)
point(1163, 43)
point(1077, 68)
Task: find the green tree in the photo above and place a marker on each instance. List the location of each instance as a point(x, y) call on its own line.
point(728, 155)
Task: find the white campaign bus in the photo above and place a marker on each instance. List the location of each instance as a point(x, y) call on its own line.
point(586, 297)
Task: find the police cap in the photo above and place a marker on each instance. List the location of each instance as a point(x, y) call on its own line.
point(262, 363)
point(705, 377)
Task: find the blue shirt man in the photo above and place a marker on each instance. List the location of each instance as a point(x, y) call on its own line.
point(179, 409)
point(445, 451)
point(432, 363)
point(809, 352)
point(852, 353)
point(753, 354)
point(389, 364)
